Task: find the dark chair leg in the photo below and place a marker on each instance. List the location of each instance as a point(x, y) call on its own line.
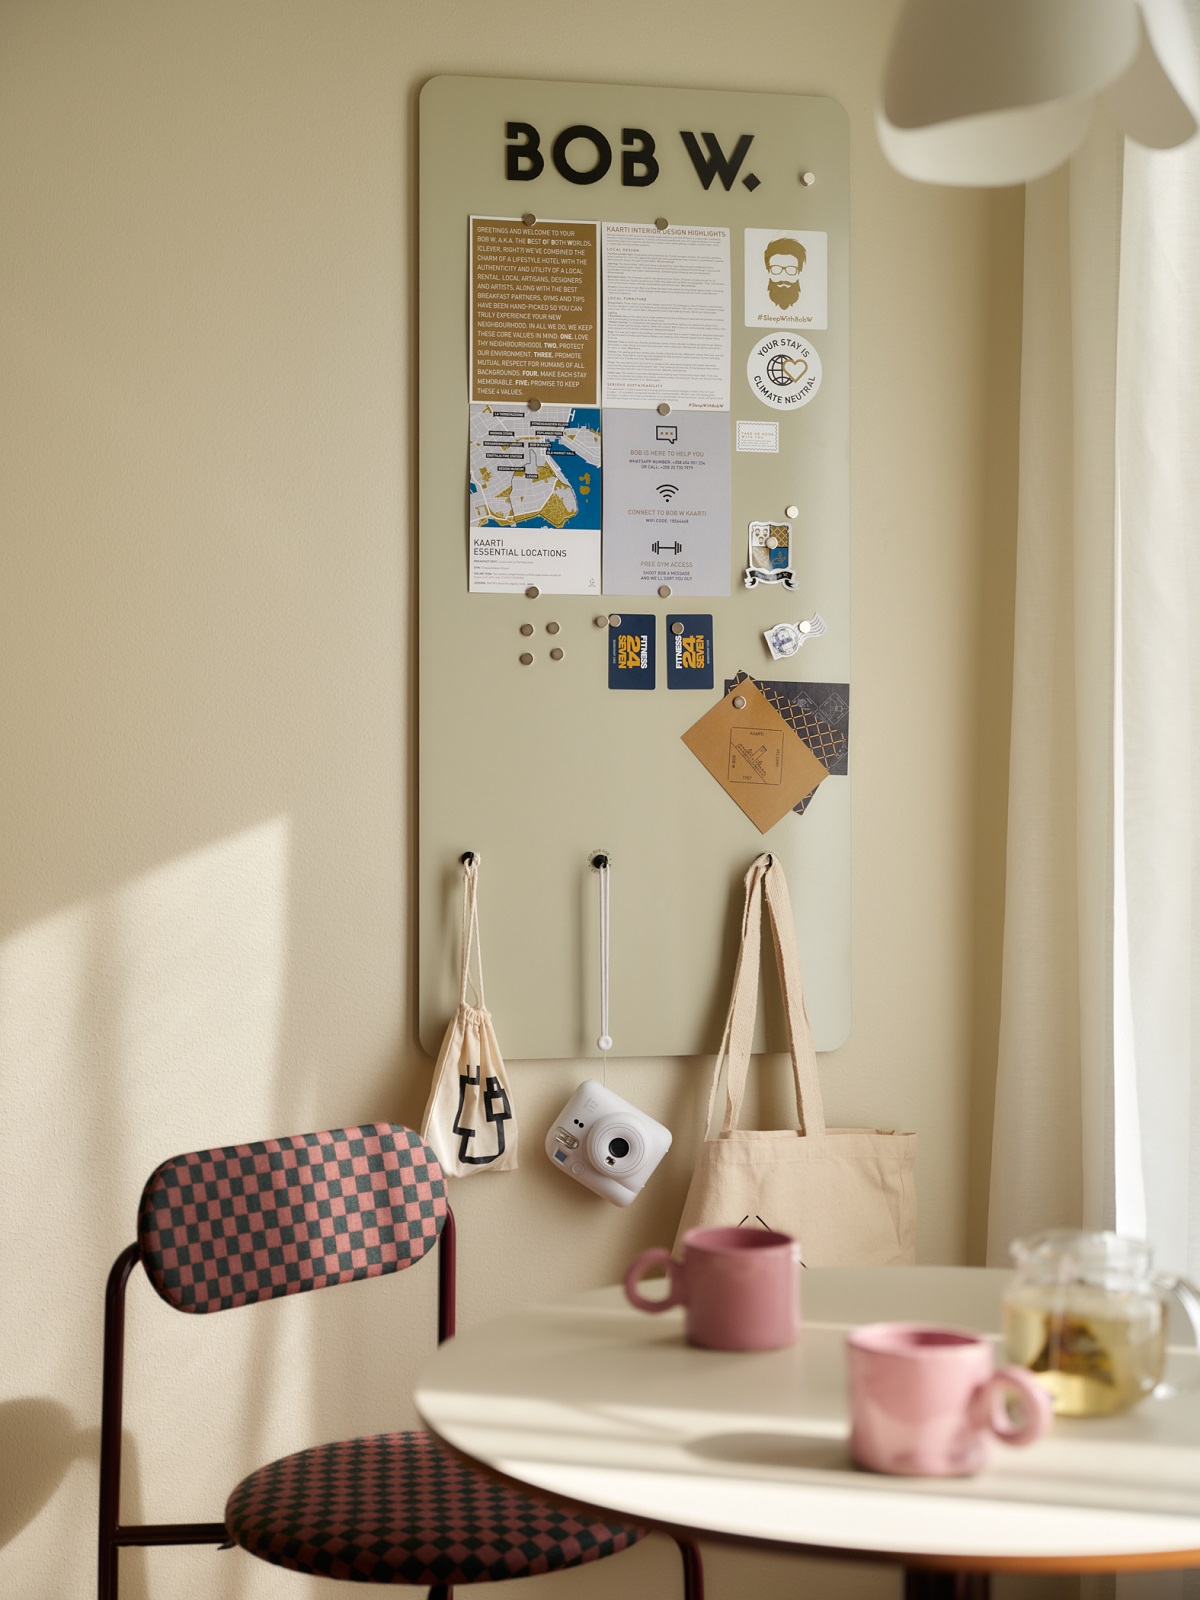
point(110, 1420)
point(447, 1280)
point(441, 1591)
point(107, 1589)
point(693, 1567)
point(923, 1584)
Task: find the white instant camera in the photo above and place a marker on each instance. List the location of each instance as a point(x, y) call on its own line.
point(608, 1145)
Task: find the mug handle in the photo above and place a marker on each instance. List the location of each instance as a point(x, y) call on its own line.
point(1188, 1297)
point(990, 1408)
point(658, 1257)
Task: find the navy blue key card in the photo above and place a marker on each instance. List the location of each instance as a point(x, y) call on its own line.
point(690, 651)
point(631, 652)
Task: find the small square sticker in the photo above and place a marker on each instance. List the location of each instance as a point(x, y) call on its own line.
point(631, 644)
point(690, 650)
point(758, 438)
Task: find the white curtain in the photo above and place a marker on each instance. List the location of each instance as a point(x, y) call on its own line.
point(1053, 1117)
point(1098, 1090)
point(1158, 450)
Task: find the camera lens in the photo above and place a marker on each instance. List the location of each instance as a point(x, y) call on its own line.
point(615, 1144)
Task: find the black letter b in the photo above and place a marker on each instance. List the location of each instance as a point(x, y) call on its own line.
point(529, 152)
point(639, 155)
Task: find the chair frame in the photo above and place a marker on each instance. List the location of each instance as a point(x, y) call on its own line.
point(116, 1535)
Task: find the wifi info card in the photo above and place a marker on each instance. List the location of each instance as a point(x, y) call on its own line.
point(667, 513)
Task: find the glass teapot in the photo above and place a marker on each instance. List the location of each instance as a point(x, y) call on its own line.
point(1087, 1314)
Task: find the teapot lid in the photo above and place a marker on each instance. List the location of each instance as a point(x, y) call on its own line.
point(1075, 1252)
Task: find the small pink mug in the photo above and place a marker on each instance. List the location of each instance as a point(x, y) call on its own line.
point(926, 1401)
point(741, 1287)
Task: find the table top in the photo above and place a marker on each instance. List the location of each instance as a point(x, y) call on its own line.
point(601, 1405)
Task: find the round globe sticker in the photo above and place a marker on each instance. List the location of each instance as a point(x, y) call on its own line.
point(784, 370)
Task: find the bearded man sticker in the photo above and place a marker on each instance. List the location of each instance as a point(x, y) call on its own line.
point(785, 278)
point(785, 260)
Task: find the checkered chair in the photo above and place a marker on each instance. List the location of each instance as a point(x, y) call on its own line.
point(232, 1226)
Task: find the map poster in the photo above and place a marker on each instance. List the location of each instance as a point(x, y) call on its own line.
point(535, 496)
point(666, 317)
point(666, 502)
point(534, 319)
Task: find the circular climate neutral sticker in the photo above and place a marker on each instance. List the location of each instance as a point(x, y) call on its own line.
point(784, 370)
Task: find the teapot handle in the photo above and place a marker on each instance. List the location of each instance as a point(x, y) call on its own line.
point(1188, 1297)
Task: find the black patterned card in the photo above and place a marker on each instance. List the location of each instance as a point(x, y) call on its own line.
point(818, 712)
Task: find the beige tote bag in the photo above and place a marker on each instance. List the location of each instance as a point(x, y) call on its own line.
point(847, 1194)
point(469, 1118)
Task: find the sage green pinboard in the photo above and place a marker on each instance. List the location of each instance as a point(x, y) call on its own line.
point(537, 766)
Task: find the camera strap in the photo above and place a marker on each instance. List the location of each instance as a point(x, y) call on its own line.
point(604, 1042)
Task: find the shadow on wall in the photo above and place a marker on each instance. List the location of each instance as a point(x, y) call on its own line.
point(39, 1443)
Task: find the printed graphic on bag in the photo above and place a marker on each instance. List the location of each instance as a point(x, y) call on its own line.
point(497, 1110)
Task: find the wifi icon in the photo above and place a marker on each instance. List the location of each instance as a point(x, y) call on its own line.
point(667, 490)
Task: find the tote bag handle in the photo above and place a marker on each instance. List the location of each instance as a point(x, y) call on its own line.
point(737, 1042)
point(470, 938)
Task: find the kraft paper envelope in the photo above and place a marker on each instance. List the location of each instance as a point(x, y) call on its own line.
point(794, 702)
point(754, 755)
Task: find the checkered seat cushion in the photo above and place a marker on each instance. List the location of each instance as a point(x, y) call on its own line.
point(396, 1508)
point(247, 1222)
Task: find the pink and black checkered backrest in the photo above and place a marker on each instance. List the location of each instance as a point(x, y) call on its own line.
point(227, 1227)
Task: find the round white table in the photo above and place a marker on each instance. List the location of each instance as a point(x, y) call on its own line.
point(600, 1405)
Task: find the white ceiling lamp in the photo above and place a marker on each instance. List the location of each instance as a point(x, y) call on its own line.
point(989, 92)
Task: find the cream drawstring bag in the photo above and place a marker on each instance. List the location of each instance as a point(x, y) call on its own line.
point(847, 1194)
point(469, 1118)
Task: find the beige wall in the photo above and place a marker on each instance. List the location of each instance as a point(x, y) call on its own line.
point(206, 650)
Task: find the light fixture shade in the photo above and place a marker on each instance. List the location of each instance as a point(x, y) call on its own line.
point(989, 92)
point(1157, 101)
point(988, 151)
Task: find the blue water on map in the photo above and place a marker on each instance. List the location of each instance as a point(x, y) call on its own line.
point(583, 478)
point(576, 470)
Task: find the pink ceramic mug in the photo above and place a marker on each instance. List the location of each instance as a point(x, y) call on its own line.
point(926, 1401)
point(741, 1287)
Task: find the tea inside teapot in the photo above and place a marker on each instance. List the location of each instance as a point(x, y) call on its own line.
point(1086, 1314)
